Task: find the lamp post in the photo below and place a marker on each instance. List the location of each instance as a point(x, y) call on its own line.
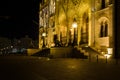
point(74, 25)
point(43, 34)
point(70, 37)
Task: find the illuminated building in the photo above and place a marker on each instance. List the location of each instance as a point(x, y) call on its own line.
point(43, 17)
point(94, 20)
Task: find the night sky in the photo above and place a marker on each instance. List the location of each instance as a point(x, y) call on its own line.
point(19, 18)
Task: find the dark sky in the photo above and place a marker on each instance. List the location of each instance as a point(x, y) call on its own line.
point(18, 18)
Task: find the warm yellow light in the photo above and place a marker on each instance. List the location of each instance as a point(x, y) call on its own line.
point(48, 59)
point(107, 55)
point(71, 29)
point(43, 34)
point(74, 25)
point(72, 66)
point(86, 46)
point(110, 50)
point(52, 45)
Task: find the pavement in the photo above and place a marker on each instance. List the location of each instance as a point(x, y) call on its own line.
point(96, 56)
point(43, 68)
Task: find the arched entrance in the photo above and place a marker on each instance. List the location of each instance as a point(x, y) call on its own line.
point(84, 29)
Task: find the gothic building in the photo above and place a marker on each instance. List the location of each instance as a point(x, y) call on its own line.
point(93, 18)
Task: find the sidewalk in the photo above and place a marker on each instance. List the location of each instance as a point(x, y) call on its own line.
point(42, 68)
point(94, 56)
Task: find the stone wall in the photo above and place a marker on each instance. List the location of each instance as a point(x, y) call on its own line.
point(32, 51)
point(60, 52)
point(103, 15)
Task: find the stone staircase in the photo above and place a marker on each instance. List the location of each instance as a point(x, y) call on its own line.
point(62, 52)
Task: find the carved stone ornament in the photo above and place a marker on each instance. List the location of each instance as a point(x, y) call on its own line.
point(76, 2)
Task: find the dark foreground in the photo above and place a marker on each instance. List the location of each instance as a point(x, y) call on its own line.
point(39, 68)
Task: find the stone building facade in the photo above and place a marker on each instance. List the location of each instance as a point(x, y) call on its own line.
point(103, 25)
point(94, 20)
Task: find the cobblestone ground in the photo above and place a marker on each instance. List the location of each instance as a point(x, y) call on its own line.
point(40, 68)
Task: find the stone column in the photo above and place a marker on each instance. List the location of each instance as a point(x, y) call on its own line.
point(91, 28)
point(40, 39)
point(79, 29)
point(67, 35)
point(50, 37)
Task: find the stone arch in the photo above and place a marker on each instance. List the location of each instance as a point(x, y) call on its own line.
point(84, 28)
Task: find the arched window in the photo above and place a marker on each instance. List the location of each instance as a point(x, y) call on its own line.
point(104, 29)
point(101, 29)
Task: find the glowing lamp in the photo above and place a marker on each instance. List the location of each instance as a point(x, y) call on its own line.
point(43, 34)
point(107, 55)
point(74, 25)
point(110, 50)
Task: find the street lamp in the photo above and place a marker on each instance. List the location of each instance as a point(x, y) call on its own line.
point(74, 25)
point(43, 34)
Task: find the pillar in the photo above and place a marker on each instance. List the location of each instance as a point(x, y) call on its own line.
point(79, 29)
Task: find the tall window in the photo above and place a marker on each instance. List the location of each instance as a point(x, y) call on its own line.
point(103, 4)
point(52, 7)
point(104, 29)
point(101, 29)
